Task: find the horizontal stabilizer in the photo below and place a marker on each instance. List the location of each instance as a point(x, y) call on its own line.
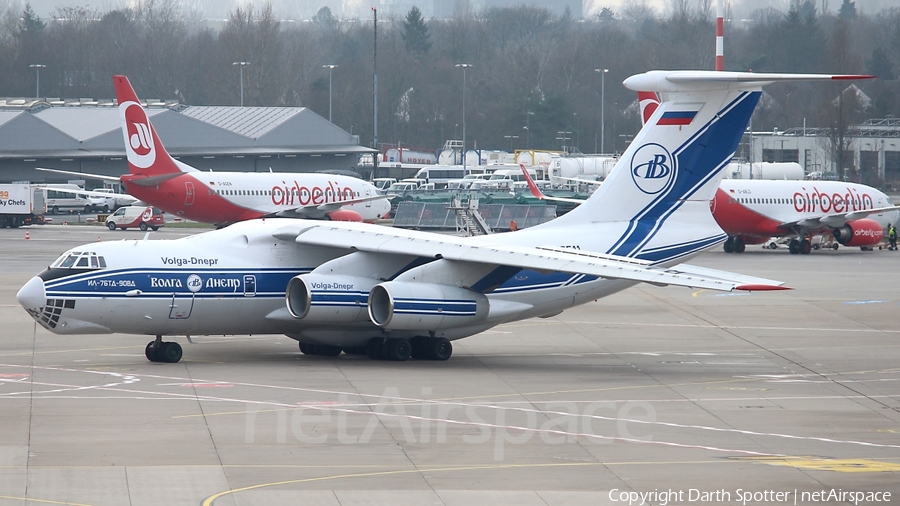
point(691, 80)
point(80, 174)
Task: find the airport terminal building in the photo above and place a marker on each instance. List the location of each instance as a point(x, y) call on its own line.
point(86, 136)
point(873, 151)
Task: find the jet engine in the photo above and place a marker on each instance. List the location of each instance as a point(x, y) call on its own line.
point(863, 232)
point(396, 305)
point(343, 215)
point(317, 298)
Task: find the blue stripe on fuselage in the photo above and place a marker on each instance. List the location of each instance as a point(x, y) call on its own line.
point(169, 282)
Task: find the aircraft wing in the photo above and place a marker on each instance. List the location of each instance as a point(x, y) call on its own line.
point(317, 210)
point(81, 174)
point(836, 220)
point(577, 180)
point(536, 192)
point(88, 193)
point(389, 241)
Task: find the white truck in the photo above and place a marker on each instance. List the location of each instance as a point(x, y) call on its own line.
point(21, 204)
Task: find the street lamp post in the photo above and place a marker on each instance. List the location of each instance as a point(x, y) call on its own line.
point(37, 87)
point(563, 137)
point(577, 132)
point(464, 66)
point(241, 64)
point(528, 115)
point(602, 108)
point(330, 68)
point(510, 137)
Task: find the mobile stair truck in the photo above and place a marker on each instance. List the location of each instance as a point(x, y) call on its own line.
point(21, 204)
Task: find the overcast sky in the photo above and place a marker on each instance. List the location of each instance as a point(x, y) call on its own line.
point(220, 8)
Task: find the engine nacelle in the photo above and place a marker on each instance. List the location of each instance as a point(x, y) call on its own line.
point(317, 298)
point(396, 305)
point(863, 232)
point(343, 215)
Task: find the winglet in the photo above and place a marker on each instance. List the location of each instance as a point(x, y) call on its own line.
point(531, 186)
point(761, 288)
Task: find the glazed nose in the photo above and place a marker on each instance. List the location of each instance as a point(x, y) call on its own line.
point(32, 295)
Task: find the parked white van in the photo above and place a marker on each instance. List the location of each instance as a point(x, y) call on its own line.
point(142, 217)
point(66, 201)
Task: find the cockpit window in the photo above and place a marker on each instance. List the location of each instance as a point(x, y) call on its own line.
point(67, 261)
point(72, 263)
point(79, 260)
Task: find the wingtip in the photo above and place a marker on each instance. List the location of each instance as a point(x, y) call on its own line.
point(761, 288)
point(847, 77)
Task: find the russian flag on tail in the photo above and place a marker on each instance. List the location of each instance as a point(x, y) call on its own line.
point(677, 118)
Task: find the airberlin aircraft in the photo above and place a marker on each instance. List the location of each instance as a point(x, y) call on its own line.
point(752, 211)
point(223, 198)
point(392, 293)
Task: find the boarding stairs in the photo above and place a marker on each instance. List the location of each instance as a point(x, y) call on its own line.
point(469, 221)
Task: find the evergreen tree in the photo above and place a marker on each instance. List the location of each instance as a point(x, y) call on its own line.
point(415, 33)
point(606, 15)
point(880, 65)
point(848, 10)
point(30, 23)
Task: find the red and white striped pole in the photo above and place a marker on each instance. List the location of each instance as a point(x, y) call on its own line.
point(720, 36)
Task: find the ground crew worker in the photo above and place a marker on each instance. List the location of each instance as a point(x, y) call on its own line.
point(892, 236)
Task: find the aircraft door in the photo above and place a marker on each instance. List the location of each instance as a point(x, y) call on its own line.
point(181, 308)
point(188, 193)
point(368, 194)
point(249, 285)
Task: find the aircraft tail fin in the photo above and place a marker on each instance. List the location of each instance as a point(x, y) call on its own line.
point(648, 102)
point(660, 190)
point(146, 153)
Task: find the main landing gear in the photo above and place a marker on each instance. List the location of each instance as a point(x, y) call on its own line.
point(734, 244)
point(159, 351)
point(419, 347)
point(802, 247)
point(397, 350)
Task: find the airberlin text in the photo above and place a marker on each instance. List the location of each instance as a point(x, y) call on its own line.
point(819, 201)
point(296, 194)
point(743, 496)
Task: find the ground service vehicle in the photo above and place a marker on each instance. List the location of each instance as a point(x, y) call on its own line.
point(21, 204)
point(142, 217)
point(61, 198)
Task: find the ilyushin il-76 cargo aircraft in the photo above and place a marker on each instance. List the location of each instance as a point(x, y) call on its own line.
point(392, 294)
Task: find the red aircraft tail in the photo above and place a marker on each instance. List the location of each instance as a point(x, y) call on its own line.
point(146, 154)
point(648, 102)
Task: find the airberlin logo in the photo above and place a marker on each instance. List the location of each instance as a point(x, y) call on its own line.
point(652, 168)
point(837, 202)
point(297, 194)
point(138, 137)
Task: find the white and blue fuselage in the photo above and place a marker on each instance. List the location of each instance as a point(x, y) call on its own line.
point(232, 281)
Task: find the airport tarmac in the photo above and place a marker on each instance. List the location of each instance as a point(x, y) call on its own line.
point(666, 395)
